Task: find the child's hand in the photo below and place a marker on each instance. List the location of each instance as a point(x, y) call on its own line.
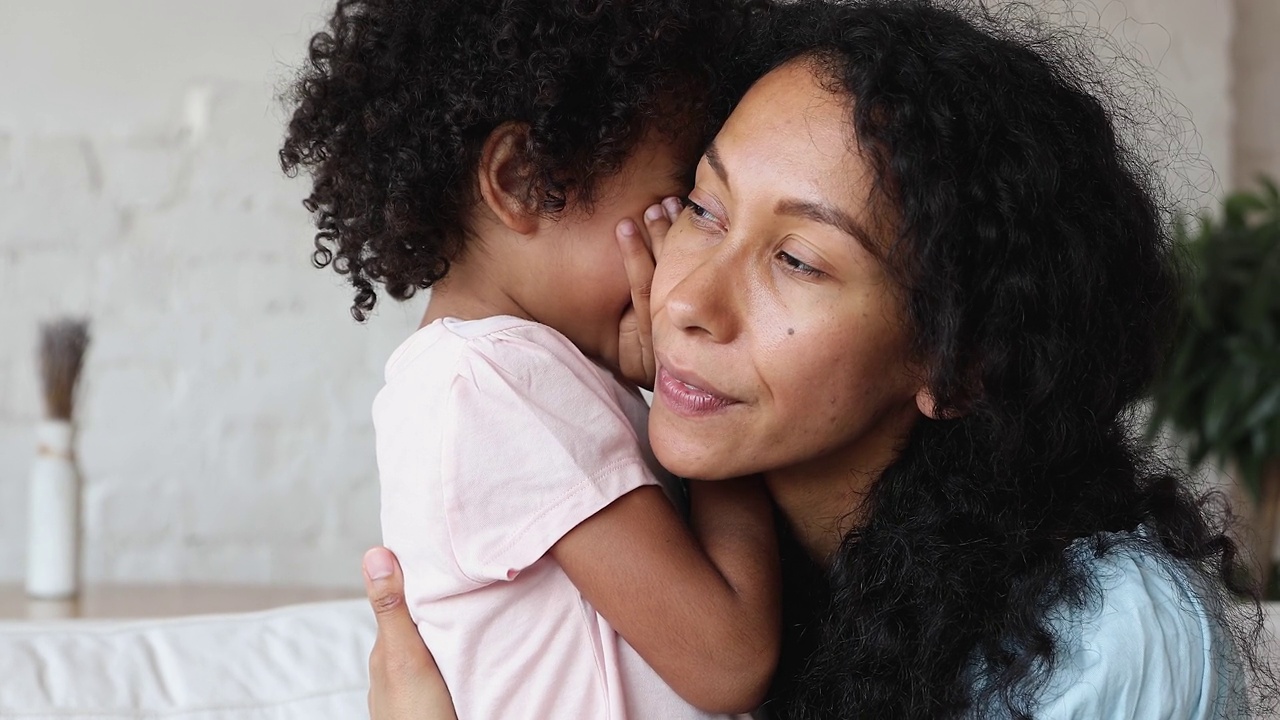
point(640, 245)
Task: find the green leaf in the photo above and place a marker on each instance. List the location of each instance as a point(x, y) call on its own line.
point(1237, 206)
point(1217, 412)
point(1266, 410)
point(1220, 386)
point(1251, 474)
point(1270, 192)
point(1259, 441)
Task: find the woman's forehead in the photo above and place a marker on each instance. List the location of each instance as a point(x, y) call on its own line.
point(791, 136)
point(790, 94)
point(789, 118)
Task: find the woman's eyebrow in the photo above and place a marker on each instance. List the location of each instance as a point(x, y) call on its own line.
point(825, 214)
point(712, 154)
point(808, 210)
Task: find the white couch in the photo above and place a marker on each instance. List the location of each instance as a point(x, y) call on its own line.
point(300, 662)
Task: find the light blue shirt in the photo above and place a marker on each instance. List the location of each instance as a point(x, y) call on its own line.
point(1143, 647)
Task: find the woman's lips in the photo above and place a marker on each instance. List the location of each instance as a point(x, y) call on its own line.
point(686, 398)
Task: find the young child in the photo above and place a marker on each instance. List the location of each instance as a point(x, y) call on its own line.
point(486, 149)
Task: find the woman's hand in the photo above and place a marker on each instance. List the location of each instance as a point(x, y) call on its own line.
point(404, 682)
point(640, 244)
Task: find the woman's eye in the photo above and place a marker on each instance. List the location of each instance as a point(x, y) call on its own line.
point(700, 214)
point(798, 265)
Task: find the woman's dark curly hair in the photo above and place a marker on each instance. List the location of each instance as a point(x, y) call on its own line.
point(1033, 257)
point(398, 96)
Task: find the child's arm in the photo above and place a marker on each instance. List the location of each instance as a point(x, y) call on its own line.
point(701, 606)
point(705, 617)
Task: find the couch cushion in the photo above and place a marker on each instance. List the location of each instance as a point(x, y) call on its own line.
point(308, 662)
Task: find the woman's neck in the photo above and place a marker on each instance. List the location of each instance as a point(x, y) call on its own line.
point(822, 500)
point(820, 510)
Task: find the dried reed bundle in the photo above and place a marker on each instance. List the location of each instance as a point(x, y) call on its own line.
point(62, 347)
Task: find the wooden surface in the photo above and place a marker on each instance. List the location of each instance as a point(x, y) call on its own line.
point(158, 601)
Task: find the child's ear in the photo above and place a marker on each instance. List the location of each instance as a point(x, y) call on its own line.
point(506, 180)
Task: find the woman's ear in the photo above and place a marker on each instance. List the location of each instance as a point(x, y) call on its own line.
point(506, 180)
point(926, 403)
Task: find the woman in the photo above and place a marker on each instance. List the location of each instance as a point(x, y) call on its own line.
point(919, 286)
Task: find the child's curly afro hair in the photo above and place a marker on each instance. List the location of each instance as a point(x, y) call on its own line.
point(397, 97)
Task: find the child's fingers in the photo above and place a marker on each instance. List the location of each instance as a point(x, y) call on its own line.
point(657, 222)
point(639, 263)
point(631, 351)
point(673, 206)
point(635, 342)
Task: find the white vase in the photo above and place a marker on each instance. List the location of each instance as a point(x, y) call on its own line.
point(53, 524)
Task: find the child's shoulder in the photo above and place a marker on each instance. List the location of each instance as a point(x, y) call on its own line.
point(513, 344)
point(491, 327)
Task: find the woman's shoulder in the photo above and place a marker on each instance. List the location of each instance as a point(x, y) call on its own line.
point(1143, 644)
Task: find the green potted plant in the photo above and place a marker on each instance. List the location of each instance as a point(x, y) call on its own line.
point(1220, 391)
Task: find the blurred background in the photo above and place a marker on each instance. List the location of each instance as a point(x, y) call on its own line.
point(224, 431)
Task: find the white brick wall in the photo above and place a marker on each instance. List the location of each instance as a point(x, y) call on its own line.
point(225, 425)
point(1256, 90)
point(1188, 45)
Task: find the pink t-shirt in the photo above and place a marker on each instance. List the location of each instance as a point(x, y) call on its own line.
point(495, 438)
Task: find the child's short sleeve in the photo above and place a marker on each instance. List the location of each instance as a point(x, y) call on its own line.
point(535, 444)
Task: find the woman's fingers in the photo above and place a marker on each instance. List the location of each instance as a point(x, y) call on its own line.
point(404, 681)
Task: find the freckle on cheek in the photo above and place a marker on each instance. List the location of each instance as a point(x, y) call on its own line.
point(791, 331)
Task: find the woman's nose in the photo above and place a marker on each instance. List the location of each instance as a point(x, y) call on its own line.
point(702, 301)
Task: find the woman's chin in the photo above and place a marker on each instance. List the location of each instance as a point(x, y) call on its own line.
point(684, 460)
